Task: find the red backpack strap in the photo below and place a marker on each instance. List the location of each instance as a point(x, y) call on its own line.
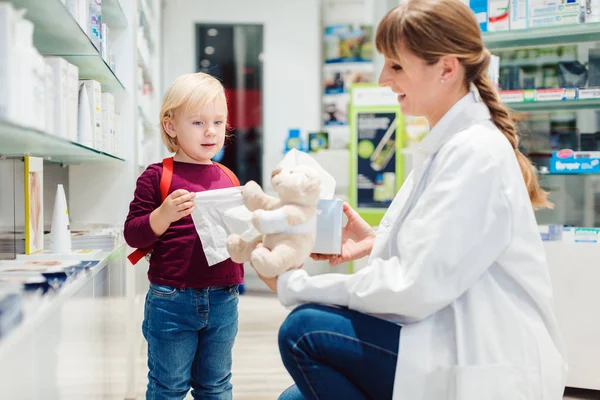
point(165, 184)
point(166, 178)
point(234, 179)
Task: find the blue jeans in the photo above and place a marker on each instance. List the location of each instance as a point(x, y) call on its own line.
point(336, 353)
point(190, 334)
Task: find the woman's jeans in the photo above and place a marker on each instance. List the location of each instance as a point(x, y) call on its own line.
point(190, 334)
point(336, 353)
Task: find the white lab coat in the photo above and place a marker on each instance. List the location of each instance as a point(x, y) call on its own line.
point(459, 262)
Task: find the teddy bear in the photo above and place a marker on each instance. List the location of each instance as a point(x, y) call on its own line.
point(287, 223)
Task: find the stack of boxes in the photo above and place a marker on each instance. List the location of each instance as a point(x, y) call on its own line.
point(44, 92)
point(88, 14)
point(22, 72)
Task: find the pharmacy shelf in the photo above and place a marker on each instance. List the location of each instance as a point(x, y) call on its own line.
point(16, 140)
point(530, 106)
point(551, 35)
point(62, 36)
point(113, 15)
point(94, 67)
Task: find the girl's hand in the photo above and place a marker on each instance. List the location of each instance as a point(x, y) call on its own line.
point(357, 240)
point(178, 205)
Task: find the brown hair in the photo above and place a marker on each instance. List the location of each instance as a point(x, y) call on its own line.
point(432, 29)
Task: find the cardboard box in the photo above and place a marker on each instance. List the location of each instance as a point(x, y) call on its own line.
point(60, 72)
point(108, 122)
point(94, 92)
point(72, 101)
point(329, 227)
point(480, 9)
point(498, 15)
point(519, 18)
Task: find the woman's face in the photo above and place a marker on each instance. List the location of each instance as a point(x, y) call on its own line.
point(417, 84)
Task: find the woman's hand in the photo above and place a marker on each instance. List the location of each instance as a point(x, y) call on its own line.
point(357, 240)
point(270, 282)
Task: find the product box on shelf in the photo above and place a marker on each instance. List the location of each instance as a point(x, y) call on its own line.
point(30, 77)
point(72, 101)
point(592, 11)
point(554, 20)
point(551, 232)
point(104, 50)
point(480, 8)
point(518, 14)
point(80, 10)
point(60, 72)
point(512, 96)
point(581, 235)
point(94, 93)
point(575, 162)
point(8, 89)
point(544, 8)
point(50, 98)
point(498, 15)
point(587, 94)
point(108, 122)
point(95, 23)
point(556, 94)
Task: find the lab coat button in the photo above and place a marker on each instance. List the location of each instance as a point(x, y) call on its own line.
point(385, 223)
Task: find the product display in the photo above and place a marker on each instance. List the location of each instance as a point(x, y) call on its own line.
point(22, 71)
point(503, 15)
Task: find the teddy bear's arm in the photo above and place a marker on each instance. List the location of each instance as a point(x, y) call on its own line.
point(256, 199)
point(295, 215)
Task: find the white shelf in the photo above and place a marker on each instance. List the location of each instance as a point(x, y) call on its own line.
point(50, 303)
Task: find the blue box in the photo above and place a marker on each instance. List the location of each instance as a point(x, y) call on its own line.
point(480, 8)
point(575, 162)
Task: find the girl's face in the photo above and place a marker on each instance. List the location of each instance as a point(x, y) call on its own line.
point(200, 136)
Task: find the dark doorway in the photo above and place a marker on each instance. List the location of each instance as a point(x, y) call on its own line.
point(233, 54)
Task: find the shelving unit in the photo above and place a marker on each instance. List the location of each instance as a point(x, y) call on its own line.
point(572, 266)
point(530, 106)
point(62, 36)
point(98, 186)
point(18, 140)
point(560, 34)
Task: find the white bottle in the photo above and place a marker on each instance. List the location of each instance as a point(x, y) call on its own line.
point(60, 233)
point(85, 130)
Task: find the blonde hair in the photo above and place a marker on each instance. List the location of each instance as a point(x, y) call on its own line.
point(432, 29)
point(186, 94)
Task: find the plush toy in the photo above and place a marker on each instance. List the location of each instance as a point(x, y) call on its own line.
point(287, 224)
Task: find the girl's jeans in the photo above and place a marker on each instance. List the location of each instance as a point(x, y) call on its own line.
point(190, 334)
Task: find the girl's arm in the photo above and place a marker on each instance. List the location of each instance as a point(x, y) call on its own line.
point(138, 231)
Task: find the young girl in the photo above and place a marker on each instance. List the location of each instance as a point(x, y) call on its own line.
point(190, 317)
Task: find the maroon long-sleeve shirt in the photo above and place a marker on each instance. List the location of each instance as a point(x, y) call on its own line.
point(178, 259)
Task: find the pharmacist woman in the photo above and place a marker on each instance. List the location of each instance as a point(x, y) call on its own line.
point(455, 302)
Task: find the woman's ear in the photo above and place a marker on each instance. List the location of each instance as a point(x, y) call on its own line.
point(169, 126)
point(450, 68)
